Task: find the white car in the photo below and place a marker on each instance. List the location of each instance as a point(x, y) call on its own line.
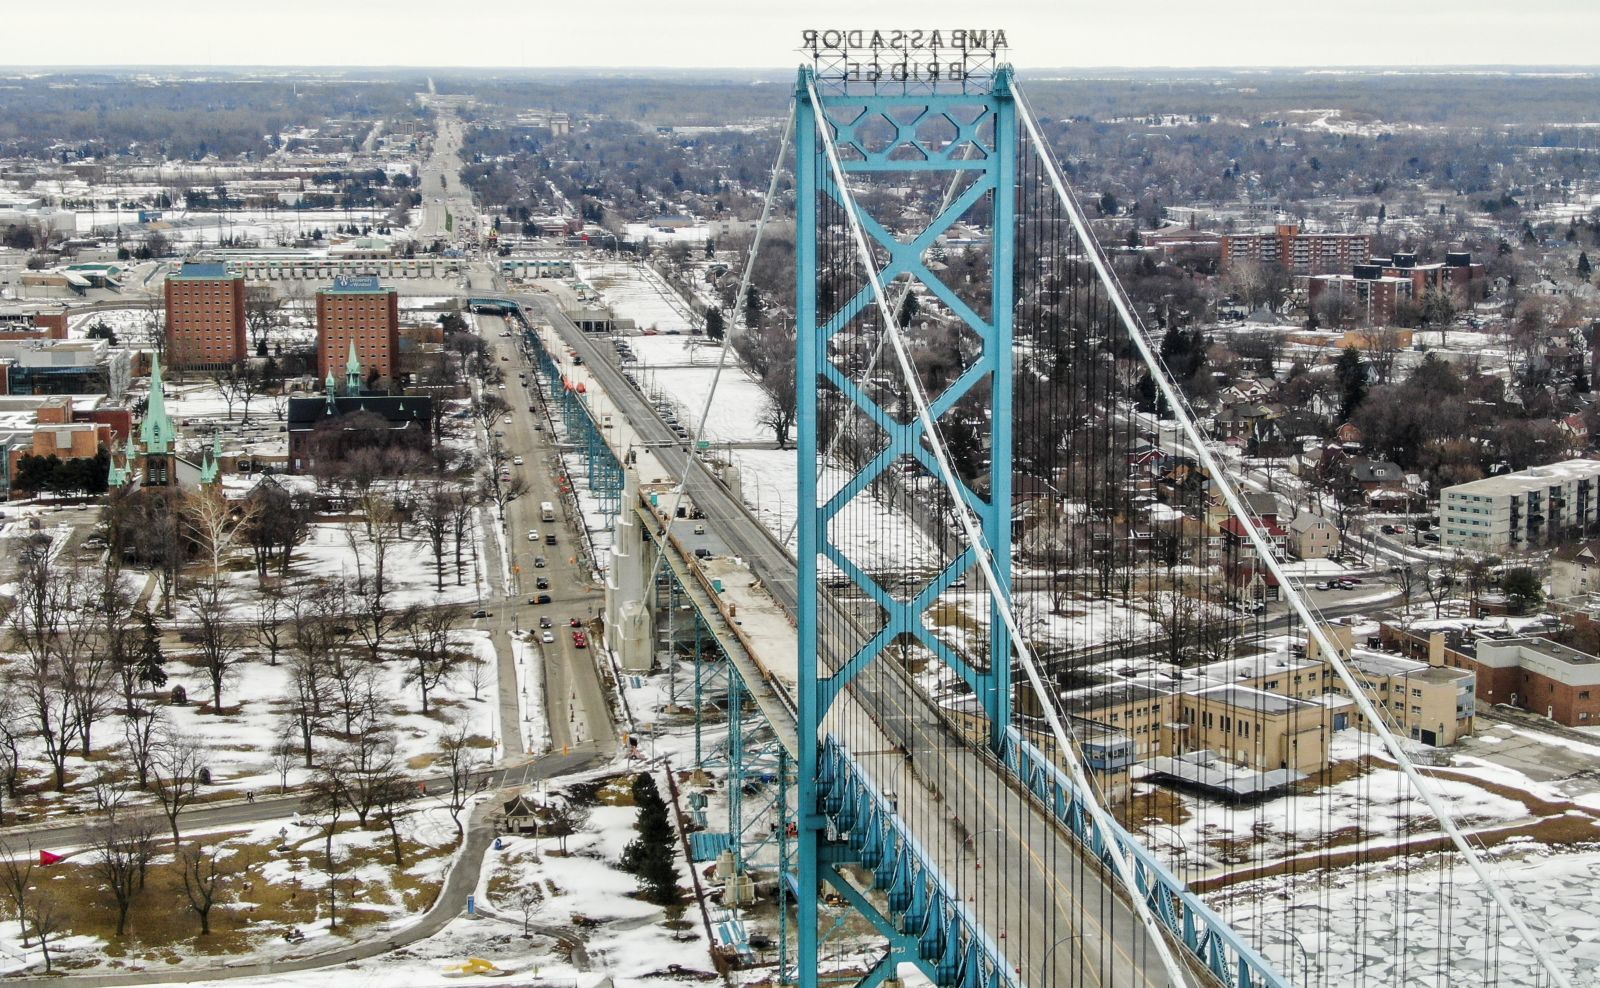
point(516, 461)
point(548, 637)
point(533, 535)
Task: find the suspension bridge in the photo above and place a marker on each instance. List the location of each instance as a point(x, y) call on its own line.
point(1001, 738)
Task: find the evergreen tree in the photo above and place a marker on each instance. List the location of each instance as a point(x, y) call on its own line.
point(650, 855)
point(753, 308)
point(1584, 269)
point(1351, 373)
point(909, 309)
point(715, 326)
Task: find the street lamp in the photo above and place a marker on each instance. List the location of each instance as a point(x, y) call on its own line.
point(1305, 957)
point(1044, 965)
point(972, 840)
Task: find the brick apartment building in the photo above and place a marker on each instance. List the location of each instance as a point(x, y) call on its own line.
point(360, 311)
point(1302, 253)
point(1375, 287)
point(205, 318)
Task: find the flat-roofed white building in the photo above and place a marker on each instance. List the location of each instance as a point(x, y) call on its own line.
point(1537, 506)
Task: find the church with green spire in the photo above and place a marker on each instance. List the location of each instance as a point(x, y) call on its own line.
point(154, 461)
point(336, 423)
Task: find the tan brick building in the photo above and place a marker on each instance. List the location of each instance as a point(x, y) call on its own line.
point(359, 311)
point(205, 318)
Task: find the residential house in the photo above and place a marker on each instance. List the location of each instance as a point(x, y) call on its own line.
point(1575, 569)
point(1312, 536)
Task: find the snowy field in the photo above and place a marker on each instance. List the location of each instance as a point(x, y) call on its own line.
point(634, 292)
point(275, 881)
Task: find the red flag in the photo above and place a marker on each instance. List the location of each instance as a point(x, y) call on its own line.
point(48, 858)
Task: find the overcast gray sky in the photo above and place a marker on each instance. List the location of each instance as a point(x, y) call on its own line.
point(708, 33)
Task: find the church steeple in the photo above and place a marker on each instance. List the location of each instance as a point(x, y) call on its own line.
point(211, 467)
point(352, 373)
point(156, 432)
point(330, 391)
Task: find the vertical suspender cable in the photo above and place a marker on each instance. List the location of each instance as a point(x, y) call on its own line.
point(1264, 552)
point(1121, 862)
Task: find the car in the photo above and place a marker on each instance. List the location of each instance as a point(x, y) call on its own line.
point(480, 613)
point(545, 622)
point(579, 641)
point(532, 409)
point(533, 536)
point(543, 598)
point(542, 584)
point(506, 419)
point(503, 357)
point(1399, 530)
point(548, 637)
point(498, 434)
point(1430, 536)
point(1388, 530)
point(549, 538)
point(502, 387)
point(538, 562)
point(1346, 585)
point(516, 461)
point(575, 623)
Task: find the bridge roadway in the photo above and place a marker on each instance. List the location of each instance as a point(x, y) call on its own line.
point(992, 843)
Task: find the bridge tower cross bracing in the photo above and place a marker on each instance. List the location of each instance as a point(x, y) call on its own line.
point(983, 148)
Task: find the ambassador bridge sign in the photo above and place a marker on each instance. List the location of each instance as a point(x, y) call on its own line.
point(915, 59)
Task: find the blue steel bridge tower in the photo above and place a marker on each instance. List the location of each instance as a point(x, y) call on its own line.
point(880, 129)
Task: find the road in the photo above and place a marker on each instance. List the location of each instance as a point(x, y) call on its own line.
point(577, 706)
point(1031, 862)
point(448, 212)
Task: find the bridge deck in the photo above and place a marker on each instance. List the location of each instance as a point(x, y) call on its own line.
point(1025, 880)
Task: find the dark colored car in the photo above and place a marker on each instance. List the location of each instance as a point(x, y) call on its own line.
point(480, 613)
point(542, 583)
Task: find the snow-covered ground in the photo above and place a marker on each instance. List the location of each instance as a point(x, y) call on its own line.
point(634, 292)
point(277, 881)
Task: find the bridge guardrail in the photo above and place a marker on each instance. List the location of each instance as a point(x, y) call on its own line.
point(1202, 932)
point(934, 923)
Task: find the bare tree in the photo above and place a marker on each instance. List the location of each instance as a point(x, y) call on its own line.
point(268, 630)
point(16, 882)
point(47, 921)
point(230, 383)
point(458, 753)
point(220, 643)
point(122, 851)
point(176, 770)
point(392, 790)
point(529, 900)
point(1441, 581)
point(143, 731)
point(38, 620)
point(283, 750)
point(367, 762)
point(215, 525)
point(13, 730)
point(203, 872)
point(326, 800)
point(431, 657)
point(263, 313)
